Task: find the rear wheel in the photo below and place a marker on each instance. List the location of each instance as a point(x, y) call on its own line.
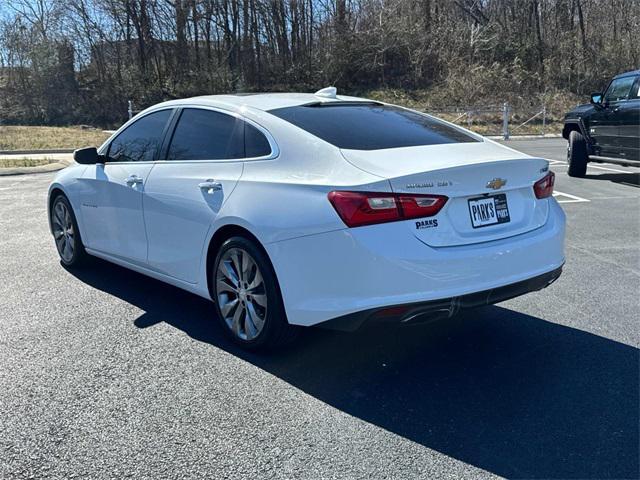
point(247, 296)
point(577, 154)
point(65, 233)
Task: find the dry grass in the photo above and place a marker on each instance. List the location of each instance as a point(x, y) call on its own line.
point(491, 124)
point(37, 138)
point(25, 162)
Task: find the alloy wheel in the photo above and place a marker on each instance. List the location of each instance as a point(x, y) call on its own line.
point(241, 293)
point(63, 231)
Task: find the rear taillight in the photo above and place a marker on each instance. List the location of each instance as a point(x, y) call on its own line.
point(366, 208)
point(416, 206)
point(543, 188)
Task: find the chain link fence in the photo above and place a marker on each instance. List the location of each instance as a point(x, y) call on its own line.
point(503, 120)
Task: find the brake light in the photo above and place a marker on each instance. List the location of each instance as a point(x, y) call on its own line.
point(366, 208)
point(543, 188)
point(416, 206)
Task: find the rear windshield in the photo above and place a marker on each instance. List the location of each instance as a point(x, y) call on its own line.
point(370, 126)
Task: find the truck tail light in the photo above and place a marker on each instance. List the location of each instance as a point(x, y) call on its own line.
point(543, 188)
point(366, 208)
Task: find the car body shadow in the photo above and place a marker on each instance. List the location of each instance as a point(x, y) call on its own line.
point(507, 392)
point(631, 179)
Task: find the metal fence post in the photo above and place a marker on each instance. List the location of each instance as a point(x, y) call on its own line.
point(130, 109)
point(505, 121)
point(544, 119)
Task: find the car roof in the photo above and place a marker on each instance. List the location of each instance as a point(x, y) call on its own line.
point(260, 101)
point(628, 74)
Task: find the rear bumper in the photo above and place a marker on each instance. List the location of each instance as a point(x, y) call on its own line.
point(335, 274)
point(442, 308)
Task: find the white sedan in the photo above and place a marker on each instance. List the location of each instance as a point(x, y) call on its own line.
point(295, 210)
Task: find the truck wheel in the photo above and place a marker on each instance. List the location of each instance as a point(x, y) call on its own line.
point(577, 155)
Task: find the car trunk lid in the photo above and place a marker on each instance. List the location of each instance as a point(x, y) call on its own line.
point(489, 189)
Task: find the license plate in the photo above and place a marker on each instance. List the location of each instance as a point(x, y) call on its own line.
point(487, 211)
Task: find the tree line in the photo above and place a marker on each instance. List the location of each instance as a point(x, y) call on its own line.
point(79, 61)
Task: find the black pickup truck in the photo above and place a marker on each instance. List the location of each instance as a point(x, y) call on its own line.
point(608, 128)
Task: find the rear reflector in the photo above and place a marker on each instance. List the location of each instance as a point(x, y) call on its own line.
point(543, 188)
point(367, 208)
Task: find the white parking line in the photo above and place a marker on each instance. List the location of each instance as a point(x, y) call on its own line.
point(626, 197)
point(572, 198)
point(608, 169)
point(555, 162)
point(559, 163)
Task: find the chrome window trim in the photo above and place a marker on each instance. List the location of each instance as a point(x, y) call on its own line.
point(275, 150)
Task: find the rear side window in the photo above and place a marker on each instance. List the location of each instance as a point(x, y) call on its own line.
point(255, 143)
point(371, 126)
point(207, 135)
point(140, 141)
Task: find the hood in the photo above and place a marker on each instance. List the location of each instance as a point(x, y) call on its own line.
point(579, 111)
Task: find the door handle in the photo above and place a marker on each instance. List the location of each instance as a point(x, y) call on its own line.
point(210, 185)
point(132, 180)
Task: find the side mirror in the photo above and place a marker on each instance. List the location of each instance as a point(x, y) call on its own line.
point(596, 98)
point(88, 156)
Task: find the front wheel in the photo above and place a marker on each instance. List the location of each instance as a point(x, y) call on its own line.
point(247, 296)
point(577, 155)
point(65, 233)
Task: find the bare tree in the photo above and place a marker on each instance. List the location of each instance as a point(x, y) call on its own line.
point(65, 61)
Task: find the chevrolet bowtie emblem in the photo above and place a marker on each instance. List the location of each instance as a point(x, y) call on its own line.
point(496, 183)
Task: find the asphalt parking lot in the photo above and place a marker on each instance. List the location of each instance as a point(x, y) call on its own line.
point(105, 373)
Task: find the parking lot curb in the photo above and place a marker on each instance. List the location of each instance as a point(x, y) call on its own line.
point(50, 167)
point(36, 152)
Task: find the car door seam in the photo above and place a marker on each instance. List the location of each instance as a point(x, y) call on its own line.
point(144, 219)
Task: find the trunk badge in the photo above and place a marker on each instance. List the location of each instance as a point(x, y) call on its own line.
point(496, 183)
point(437, 183)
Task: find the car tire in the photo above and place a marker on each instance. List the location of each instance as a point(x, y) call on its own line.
point(247, 296)
point(577, 155)
point(66, 234)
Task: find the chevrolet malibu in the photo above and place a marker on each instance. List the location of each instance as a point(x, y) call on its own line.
point(293, 210)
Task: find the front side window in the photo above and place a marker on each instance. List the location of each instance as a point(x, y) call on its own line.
point(371, 126)
point(619, 89)
point(140, 141)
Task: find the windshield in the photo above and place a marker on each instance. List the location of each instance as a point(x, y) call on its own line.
point(371, 126)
